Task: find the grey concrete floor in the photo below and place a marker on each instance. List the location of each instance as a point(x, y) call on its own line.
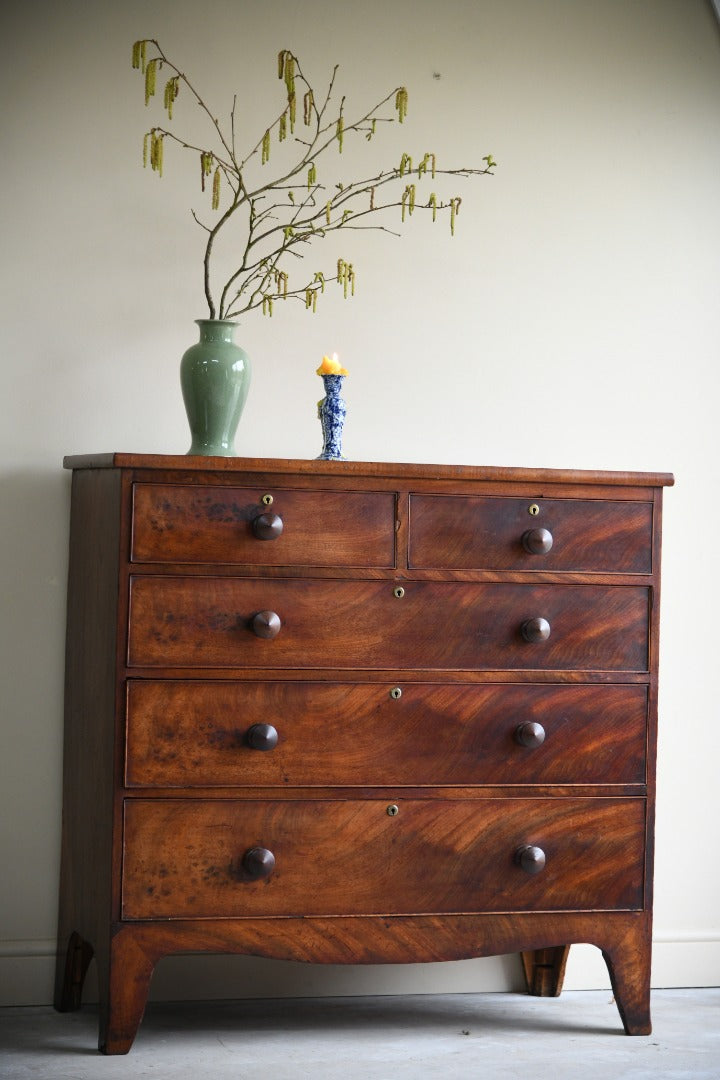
point(454, 1037)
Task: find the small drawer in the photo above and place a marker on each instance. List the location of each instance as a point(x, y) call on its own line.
point(200, 733)
point(195, 524)
point(234, 859)
point(203, 622)
point(457, 532)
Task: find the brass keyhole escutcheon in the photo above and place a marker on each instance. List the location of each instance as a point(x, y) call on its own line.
point(399, 592)
point(393, 810)
point(533, 509)
point(267, 500)
point(396, 693)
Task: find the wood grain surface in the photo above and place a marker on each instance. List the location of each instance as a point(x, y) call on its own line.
point(190, 734)
point(351, 857)
point(181, 523)
point(465, 532)
point(206, 622)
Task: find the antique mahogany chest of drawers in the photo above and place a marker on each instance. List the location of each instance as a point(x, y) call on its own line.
point(357, 713)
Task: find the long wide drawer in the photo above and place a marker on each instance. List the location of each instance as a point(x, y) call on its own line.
point(199, 859)
point(216, 524)
point(211, 622)
point(199, 733)
point(490, 533)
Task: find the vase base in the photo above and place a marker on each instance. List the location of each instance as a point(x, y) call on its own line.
point(331, 457)
point(207, 452)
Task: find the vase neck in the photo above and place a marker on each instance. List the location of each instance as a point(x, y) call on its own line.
point(216, 329)
point(333, 384)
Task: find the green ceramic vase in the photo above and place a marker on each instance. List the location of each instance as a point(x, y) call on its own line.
point(215, 377)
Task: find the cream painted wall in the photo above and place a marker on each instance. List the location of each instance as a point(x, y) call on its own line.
point(573, 321)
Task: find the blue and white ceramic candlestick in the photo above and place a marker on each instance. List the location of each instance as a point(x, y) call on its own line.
point(331, 413)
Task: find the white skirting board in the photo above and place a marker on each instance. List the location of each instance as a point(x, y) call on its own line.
point(27, 973)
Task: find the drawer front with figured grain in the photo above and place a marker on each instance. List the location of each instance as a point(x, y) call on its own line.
point(199, 733)
point(204, 622)
point(457, 532)
point(229, 859)
point(214, 524)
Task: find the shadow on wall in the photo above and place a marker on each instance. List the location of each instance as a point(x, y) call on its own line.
point(34, 554)
point(33, 557)
point(233, 978)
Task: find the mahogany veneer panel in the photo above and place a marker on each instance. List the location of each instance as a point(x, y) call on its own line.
point(352, 471)
point(215, 524)
point(457, 533)
point(397, 775)
point(195, 734)
point(206, 622)
point(184, 859)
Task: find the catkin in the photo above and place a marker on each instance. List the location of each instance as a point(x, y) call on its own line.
point(346, 277)
point(172, 88)
point(156, 153)
point(401, 103)
point(266, 147)
point(454, 208)
point(150, 80)
point(206, 160)
point(339, 131)
point(216, 189)
point(289, 73)
point(138, 55)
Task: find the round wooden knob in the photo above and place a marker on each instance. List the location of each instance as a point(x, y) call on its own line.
point(262, 737)
point(530, 734)
point(267, 526)
point(537, 541)
point(535, 630)
point(531, 859)
point(266, 624)
point(258, 863)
